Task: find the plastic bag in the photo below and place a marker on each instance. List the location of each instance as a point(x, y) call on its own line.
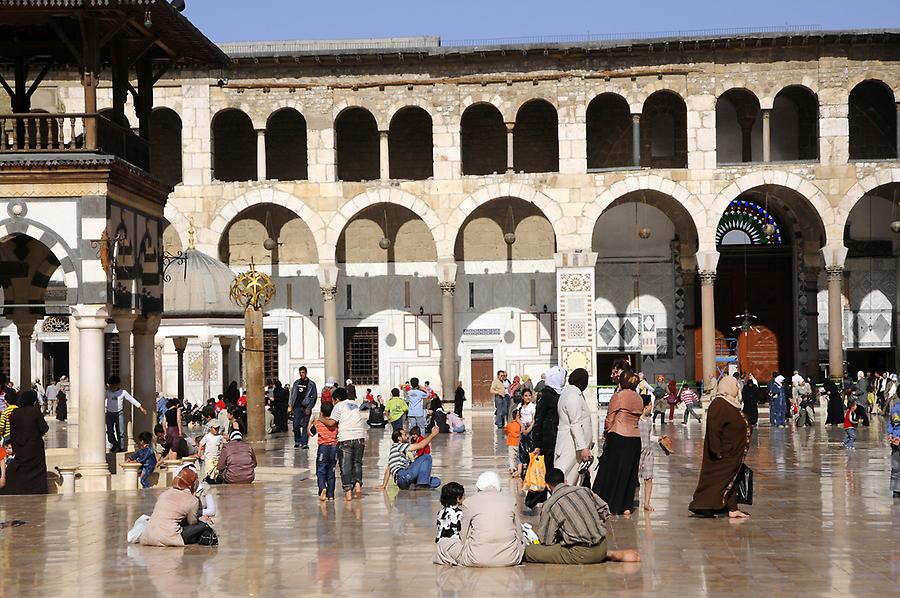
point(529, 534)
point(137, 530)
point(534, 476)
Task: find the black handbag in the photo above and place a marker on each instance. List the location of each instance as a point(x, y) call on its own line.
point(744, 485)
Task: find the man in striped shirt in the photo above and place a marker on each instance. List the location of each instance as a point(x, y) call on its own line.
point(571, 527)
point(405, 471)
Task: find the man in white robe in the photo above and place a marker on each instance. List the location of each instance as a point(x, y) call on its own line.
point(575, 434)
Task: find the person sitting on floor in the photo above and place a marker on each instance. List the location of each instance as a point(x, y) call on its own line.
point(456, 422)
point(571, 527)
point(237, 462)
point(407, 473)
point(176, 517)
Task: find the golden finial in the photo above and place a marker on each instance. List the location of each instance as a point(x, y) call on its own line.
point(191, 232)
point(252, 288)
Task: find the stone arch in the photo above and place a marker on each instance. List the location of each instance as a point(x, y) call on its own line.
point(382, 119)
point(483, 139)
point(258, 196)
point(841, 213)
point(780, 178)
point(54, 243)
point(481, 196)
point(493, 99)
point(614, 87)
point(640, 96)
point(389, 195)
point(178, 221)
point(356, 144)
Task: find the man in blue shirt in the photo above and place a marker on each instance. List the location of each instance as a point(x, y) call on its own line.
point(301, 402)
point(416, 399)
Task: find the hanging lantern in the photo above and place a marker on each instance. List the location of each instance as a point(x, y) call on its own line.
point(384, 243)
point(509, 237)
point(644, 232)
point(270, 244)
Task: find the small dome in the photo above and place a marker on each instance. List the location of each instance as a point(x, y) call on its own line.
point(202, 291)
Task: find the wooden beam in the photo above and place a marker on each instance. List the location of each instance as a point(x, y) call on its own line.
point(38, 79)
point(66, 41)
point(141, 52)
point(162, 70)
point(6, 86)
point(112, 32)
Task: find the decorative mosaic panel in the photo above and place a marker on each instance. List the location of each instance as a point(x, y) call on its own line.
point(575, 283)
point(576, 330)
point(195, 367)
point(619, 332)
point(870, 329)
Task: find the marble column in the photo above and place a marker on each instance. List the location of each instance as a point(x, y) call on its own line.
point(92, 464)
point(510, 149)
point(205, 345)
point(125, 325)
point(180, 345)
point(74, 377)
point(708, 327)
point(835, 322)
point(144, 375)
point(384, 156)
point(636, 140)
point(226, 342)
point(446, 274)
point(766, 136)
point(810, 312)
point(255, 380)
point(25, 331)
point(260, 154)
point(329, 300)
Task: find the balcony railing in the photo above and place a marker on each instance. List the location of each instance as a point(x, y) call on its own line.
point(41, 133)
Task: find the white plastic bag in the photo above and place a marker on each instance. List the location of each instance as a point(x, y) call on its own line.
point(137, 530)
point(529, 535)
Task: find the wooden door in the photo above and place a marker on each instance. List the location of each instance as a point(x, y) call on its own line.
point(481, 376)
point(758, 352)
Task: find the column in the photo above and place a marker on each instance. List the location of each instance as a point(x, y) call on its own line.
point(746, 120)
point(205, 345)
point(328, 276)
point(384, 157)
point(255, 379)
point(449, 373)
point(810, 313)
point(708, 327)
point(226, 343)
point(835, 321)
point(125, 325)
point(144, 375)
point(180, 345)
point(575, 322)
point(898, 130)
point(636, 140)
point(510, 150)
point(92, 465)
point(766, 136)
point(690, 324)
point(25, 330)
point(74, 378)
point(260, 154)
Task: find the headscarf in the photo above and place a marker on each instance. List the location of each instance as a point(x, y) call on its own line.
point(489, 481)
point(512, 387)
point(186, 479)
point(729, 390)
point(779, 380)
point(829, 386)
point(579, 379)
point(555, 378)
point(673, 387)
point(751, 379)
point(236, 435)
point(860, 376)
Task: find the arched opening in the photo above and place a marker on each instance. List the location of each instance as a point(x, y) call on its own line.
point(536, 138)
point(873, 122)
point(233, 146)
point(112, 116)
point(768, 239)
point(410, 144)
point(639, 306)
point(165, 146)
point(386, 233)
point(483, 140)
point(506, 229)
point(356, 141)
point(171, 240)
point(244, 237)
point(870, 281)
point(794, 124)
point(286, 157)
point(738, 127)
point(664, 131)
point(609, 132)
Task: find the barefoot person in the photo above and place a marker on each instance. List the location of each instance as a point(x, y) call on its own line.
point(724, 449)
point(571, 528)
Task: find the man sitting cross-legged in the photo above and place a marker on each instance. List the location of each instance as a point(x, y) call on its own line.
point(571, 527)
point(406, 472)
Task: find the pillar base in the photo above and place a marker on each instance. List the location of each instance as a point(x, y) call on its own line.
point(95, 477)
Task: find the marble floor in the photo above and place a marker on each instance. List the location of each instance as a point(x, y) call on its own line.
point(824, 523)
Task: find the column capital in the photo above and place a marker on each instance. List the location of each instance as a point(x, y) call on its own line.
point(124, 321)
point(90, 316)
point(180, 343)
point(25, 325)
point(448, 287)
point(834, 272)
point(328, 292)
point(835, 254)
point(446, 272)
point(260, 132)
point(636, 117)
point(328, 275)
point(226, 341)
point(510, 126)
point(147, 324)
point(707, 277)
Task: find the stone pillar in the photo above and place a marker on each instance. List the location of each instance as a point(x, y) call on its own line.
point(575, 320)
point(74, 377)
point(328, 274)
point(510, 149)
point(690, 324)
point(180, 345)
point(125, 325)
point(636, 140)
point(708, 326)
point(449, 374)
point(205, 345)
point(25, 330)
point(766, 136)
point(226, 342)
point(260, 154)
point(91, 322)
point(384, 156)
point(254, 366)
point(835, 321)
point(144, 377)
point(809, 312)
point(746, 119)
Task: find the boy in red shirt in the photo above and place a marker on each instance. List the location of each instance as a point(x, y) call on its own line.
point(415, 437)
point(513, 431)
point(326, 456)
point(850, 422)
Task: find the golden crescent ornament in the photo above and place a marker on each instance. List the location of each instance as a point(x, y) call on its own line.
point(252, 289)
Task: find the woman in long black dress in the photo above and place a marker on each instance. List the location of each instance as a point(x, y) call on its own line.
point(459, 398)
point(617, 471)
point(835, 415)
point(751, 400)
point(27, 472)
point(62, 408)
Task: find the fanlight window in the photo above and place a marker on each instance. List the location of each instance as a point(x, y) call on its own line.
point(744, 223)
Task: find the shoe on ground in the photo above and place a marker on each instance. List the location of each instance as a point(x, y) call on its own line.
point(305, 447)
point(296, 445)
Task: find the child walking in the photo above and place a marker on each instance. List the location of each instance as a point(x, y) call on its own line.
point(513, 431)
point(210, 448)
point(326, 456)
point(145, 456)
point(648, 440)
point(690, 400)
point(850, 423)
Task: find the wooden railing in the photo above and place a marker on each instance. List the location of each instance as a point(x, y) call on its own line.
point(41, 132)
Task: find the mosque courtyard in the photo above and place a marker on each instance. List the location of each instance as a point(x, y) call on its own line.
point(823, 523)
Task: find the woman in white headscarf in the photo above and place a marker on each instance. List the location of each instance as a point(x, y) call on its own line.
point(491, 533)
point(546, 416)
point(777, 402)
point(575, 434)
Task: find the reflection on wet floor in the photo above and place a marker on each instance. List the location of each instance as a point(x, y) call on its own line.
point(823, 523)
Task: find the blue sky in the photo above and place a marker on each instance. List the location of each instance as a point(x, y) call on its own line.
point(240, 20)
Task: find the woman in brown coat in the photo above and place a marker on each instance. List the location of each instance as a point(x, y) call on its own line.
point(27, 472)
point(724, 449)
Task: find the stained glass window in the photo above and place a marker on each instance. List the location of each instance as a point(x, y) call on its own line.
point(744, 222)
